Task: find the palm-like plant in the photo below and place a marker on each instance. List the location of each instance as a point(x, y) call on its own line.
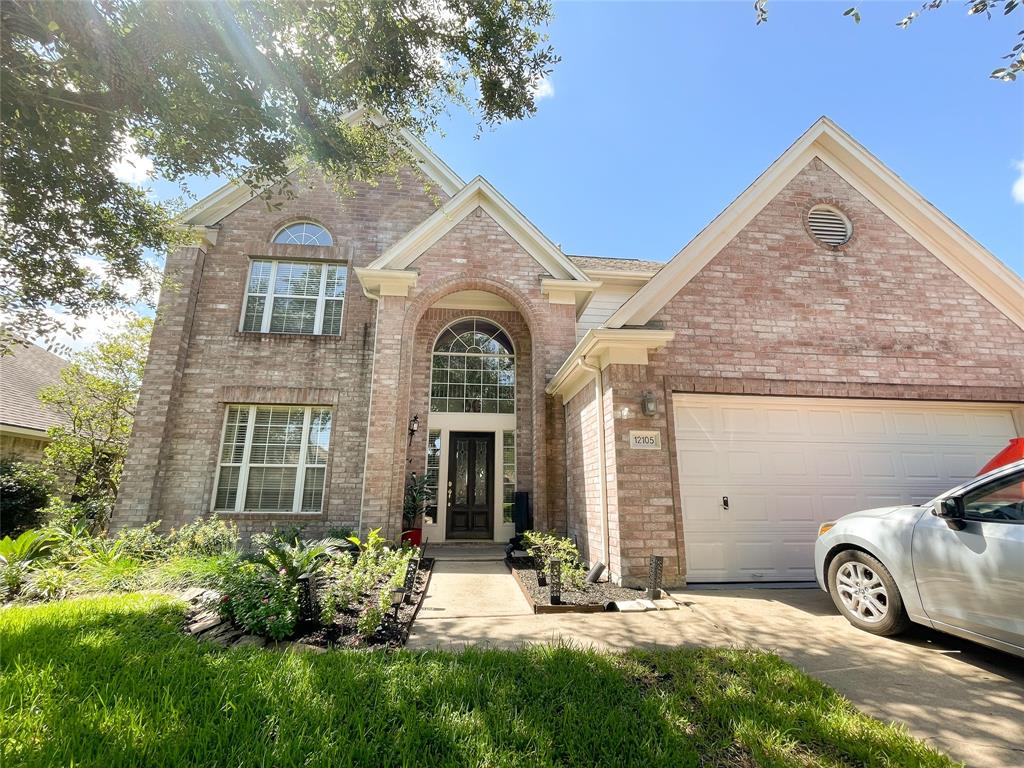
point(297, 558)
point(30, 546)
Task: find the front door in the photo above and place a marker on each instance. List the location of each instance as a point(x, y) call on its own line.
point(470, 485)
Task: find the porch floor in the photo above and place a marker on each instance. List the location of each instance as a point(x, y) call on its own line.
point(469, 580)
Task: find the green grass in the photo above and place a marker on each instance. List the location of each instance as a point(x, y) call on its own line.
point(111, 681)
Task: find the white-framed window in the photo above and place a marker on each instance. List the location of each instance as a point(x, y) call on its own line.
point(432, 472)
point(273, 458)
point(303, 233)
point(508, 476)
point(294, 297)
point(473, 369)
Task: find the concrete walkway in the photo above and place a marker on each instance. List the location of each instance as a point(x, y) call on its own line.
point(966, 700)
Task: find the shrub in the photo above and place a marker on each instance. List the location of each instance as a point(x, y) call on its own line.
point(65, 514)
point(52, 583)
point(144, 543)
point(25, 489)
point(183, 571)
point(545, 547)
point(259, 602)
point(205, 536)
point(108, 567)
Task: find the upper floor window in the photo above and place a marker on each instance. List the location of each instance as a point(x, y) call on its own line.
point(294, 297)
point(473, 370)
point(303, 233)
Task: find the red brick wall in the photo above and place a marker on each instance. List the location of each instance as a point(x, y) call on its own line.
point(199, 359)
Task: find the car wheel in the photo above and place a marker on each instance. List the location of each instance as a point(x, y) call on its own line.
point(866, 593)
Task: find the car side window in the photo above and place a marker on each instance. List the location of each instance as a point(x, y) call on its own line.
point(1001, 501)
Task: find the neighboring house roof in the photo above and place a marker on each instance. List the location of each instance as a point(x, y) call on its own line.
point(883, 188)
point(23, 373)
point(613, 264)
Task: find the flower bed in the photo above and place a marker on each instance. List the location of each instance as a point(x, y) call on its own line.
point(577, 594)
point(315, 594)
point(583, 599)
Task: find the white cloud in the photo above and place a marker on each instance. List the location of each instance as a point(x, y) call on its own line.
point(1018, 186)
point(543, 89)
point(131, 166)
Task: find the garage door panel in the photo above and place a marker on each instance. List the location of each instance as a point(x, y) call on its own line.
point(788, 464)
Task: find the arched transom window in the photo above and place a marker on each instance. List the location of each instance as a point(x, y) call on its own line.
point(303, 233)
point(473, 370)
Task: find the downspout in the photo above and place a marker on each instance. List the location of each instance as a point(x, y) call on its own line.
point(601, 454)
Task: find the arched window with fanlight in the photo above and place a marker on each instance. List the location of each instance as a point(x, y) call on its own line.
point(473, 369)
point(303, 233)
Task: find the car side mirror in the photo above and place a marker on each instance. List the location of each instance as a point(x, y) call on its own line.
point(951, 509)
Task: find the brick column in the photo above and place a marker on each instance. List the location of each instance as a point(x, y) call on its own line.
point(138, 499)
point(645, 493)
point(382, 429)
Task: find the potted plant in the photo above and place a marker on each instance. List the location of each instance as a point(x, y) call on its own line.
point(417, 496)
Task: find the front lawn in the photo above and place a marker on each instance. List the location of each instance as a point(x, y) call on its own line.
point(112, 681)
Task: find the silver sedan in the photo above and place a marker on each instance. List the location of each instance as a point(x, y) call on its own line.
point(955, 564)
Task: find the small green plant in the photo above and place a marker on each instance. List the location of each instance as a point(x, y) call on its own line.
point(52, 583)
point(545, 547)
point(295, 558)
point(109, 567)
point(417, 496)
point(144, 543)
point(204, 536)
point(262, 603)
point(28, 547)
point(371, 619)
point(374, 542)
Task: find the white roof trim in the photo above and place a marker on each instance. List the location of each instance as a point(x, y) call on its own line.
point(233, 195)
point(480, 194)
point(601, 347)
point(894, 197)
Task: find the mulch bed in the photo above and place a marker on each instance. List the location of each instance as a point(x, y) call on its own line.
point(393, 632)
point(592, 598)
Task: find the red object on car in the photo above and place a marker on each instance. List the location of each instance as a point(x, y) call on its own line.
point(1011, 453)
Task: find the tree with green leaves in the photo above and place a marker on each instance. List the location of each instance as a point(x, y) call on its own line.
point(987, 8)
point(97, 395)
point(236, 88)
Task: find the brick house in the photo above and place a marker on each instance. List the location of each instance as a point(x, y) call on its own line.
point(829, 342)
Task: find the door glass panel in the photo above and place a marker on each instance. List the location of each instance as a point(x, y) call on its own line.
point(480, 474)
point(461, 478)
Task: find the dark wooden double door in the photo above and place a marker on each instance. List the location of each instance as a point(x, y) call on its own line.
point(470, 485)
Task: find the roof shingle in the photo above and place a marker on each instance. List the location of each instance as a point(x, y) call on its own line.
point(23, 372)
point(612, 263)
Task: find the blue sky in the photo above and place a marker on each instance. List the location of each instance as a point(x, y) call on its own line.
point(661, 113)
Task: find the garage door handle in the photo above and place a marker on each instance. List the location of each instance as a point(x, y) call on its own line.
point(725, 502)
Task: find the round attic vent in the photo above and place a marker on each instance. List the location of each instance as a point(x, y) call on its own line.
point(829, 225)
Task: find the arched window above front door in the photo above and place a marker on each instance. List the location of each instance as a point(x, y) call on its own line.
point(473, 369)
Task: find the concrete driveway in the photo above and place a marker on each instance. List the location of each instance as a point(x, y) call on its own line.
point(964, 699)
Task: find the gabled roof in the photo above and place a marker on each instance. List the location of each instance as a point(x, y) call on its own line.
point(233, 195)
point(480, 194)
point(23, 372)
point(862, 170)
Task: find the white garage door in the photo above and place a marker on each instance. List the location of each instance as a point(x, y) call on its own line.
point(787, 464)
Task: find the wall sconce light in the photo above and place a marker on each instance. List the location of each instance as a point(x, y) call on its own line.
point(648, 404)
point(414, 427)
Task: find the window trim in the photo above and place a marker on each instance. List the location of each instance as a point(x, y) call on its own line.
point(270, 295)
point(283, 227)
point(244, 465)
point(514, 356)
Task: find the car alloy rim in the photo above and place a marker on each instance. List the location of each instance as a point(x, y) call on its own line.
point(862, 592)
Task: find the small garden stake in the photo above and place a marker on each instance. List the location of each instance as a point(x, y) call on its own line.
point(555, 581)
point(654, 577)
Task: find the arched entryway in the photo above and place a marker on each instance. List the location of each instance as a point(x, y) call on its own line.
point(473, 394)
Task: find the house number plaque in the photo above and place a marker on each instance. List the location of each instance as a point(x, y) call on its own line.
point(645, 439)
